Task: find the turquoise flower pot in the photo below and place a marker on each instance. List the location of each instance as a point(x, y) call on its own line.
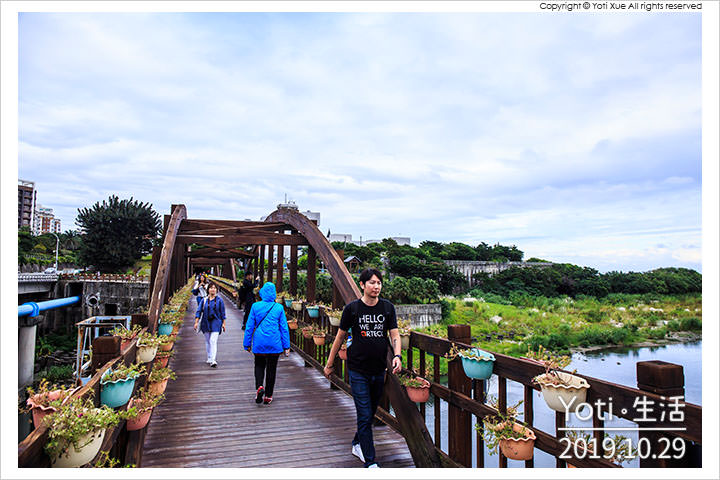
point(117, 393)
point(480, 365)
point(288, 302)
point(165, 328)
point(313, 312)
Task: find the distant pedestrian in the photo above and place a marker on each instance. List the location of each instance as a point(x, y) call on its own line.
point(266, 336)
point(370, 319)
point(200, 288)
point(210, 319)
point(246, 295)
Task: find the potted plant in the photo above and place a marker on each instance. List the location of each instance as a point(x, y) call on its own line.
point(307, 331)
point(292, 323)
point(46, 400)
point(296, 305)
point(162, 358)
point(116, 385)
point(562, 391)
point(318, 335)
point(76, 432)
point(417, 388)
point(158, 378)
point(313, 311)
point(502, 431)
point(342, 353)
point(334, 316)
point(104, 460)
point(477, 363)
point(404, 330)
point(166, 323)
point(126, 336)
point(167, 342)
point(140, 408)
point(147, 346)
point(622, 451)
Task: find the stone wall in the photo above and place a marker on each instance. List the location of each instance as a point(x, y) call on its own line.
point(420, 315)
point(470, 267)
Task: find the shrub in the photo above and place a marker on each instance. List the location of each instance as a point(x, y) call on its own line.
point(692, 323)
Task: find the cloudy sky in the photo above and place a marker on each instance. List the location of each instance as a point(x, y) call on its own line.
point(575, 137)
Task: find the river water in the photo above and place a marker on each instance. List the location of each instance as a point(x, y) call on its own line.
point(614, 364)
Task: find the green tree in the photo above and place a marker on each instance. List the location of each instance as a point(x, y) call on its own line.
point(116, 233)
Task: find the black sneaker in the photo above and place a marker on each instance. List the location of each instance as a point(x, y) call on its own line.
point(259, 396)
point(213, 364)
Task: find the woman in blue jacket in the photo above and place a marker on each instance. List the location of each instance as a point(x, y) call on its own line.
point(211, 310)
point(267, 336)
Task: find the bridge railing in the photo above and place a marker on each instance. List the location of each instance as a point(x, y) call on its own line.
point(468, 404)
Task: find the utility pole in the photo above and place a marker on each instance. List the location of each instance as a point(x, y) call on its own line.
point(57, 248)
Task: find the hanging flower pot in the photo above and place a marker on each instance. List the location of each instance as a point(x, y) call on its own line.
point(145, 353)
point(319, 339)
point(405, 341)
point(288, 302)
point(168, 344)
point(76, 432)
point(165, 328)
point(116, 386)
point(142, 418)
point(162, 358)
point(417, 388)
point(518, 448)
point(563, 392)
point(158, 379)
point(477, 363)
point(45, 401)
point(307, 332)
point(296, 305)
point(292, 324)
point(89, 447)
point(313, 311)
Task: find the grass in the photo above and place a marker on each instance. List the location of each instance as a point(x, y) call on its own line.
point(562, 324)
point(142, 266)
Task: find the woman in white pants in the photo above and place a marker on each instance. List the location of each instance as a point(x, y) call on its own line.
point(210, 317)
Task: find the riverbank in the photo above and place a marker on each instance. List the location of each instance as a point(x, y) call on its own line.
point(673, 338)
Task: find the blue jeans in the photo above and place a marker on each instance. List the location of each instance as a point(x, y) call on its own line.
point(366, 391)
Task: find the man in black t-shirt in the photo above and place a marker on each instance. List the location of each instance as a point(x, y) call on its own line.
point(369, 320)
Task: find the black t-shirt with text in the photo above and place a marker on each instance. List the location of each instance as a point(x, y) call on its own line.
point(369, 327)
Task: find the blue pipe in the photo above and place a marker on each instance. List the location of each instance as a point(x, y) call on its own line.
point(33, 309)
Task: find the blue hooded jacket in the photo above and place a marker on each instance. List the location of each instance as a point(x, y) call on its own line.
point(267, 329)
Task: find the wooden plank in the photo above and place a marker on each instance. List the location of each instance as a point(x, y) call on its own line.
point(293, 269)
point(279, 268)
point(311, 273)
point(528, 416)
point(181, 435)
point(459, 422)
point(316, 239)
point(262, 264)
point(161, 280)
point(245, 239)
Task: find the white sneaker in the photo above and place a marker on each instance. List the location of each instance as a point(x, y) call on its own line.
point(374, 465)
point(357, 451)
point(208, 361)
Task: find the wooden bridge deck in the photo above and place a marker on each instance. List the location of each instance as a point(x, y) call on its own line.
point(210, 418)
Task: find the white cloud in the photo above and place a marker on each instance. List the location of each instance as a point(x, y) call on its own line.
point(540, 131)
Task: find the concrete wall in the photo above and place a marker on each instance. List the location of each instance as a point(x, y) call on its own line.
point(470, 267)
point(114, 298)
point(420, 315)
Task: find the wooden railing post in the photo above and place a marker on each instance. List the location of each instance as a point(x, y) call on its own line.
point(668, 380)
point(311, 272)
point(459, 421)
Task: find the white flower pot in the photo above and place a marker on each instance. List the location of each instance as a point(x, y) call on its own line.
point(145, 353)
point(334, 321)
point(405, 341)
point(566, 396)
point(89, 447)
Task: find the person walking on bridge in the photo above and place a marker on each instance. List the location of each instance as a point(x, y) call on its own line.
point(369, 319)
point(246, 295)
point(200, 288)
point(267, 335)
point(210, 319)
